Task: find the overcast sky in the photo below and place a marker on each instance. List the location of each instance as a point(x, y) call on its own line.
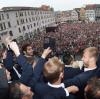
point(56, 4)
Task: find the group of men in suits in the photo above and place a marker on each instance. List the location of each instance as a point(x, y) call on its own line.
point(47, 81)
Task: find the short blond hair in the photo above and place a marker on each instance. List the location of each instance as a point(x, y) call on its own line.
point(52, 69)
point(93, 52)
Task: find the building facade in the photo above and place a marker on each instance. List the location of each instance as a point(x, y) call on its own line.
point(74, 15)
point(22, 23)
point(82, 16)
point(93, 12)
point(65, 16)
point(90, 13)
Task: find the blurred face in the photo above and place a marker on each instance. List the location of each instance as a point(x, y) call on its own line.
point(4, 54)
point(85, 58)
point(26, 90)
point(29, 51)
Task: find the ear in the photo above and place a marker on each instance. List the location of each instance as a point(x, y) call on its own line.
point(61, 75)
point(92, 59)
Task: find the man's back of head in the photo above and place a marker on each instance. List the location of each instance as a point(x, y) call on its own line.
point(52, 69)
point(90, 56)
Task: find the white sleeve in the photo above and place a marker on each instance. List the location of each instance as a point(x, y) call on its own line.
point(67, 93)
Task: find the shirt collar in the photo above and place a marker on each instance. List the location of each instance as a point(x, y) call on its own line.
point(68, 66)
point(56, 86)
point(88, 69)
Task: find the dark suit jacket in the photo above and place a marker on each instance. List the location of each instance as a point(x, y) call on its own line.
point(98, 73)
point(9, 63)
point(41, 89)
point(70, 72)
point(80, 81)
point(31, 78)
point(98, 62)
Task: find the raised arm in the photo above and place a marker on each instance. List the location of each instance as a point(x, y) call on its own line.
point(8, 60)
point(27, 70)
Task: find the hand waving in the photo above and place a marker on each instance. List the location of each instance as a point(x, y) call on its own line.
point(46, 52)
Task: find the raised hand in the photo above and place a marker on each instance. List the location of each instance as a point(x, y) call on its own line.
point(15, 48)
point(46, 52)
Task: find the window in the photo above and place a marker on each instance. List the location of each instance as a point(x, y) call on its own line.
point(21, 21)
point(25, 14)
point(3, 45)
point(28, 26)
point(19, 30)
point(17, 22)
point(37, 23)
point(2, 16)
point(28, 13)
point(7, 16)
point(30, 19)
point(26, 20)
point(10, 32)
point(9, 25)
point(1, 27)
point(24, 28)
point(16, 14)
point(34, 24)
point(31, 25)
point(4, 25)
point(36, 19)
point(21, 14)
point(31, 12)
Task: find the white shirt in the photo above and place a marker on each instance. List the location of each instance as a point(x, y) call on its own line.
point(58, 86)
point(88, 69)
point(68, 65)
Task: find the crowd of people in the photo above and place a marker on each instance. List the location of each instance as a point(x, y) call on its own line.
point(24, 74)
point(73, 37)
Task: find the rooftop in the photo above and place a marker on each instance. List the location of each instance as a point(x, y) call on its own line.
point(16, 8)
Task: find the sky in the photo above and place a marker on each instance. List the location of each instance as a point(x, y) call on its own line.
point(58, 5)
